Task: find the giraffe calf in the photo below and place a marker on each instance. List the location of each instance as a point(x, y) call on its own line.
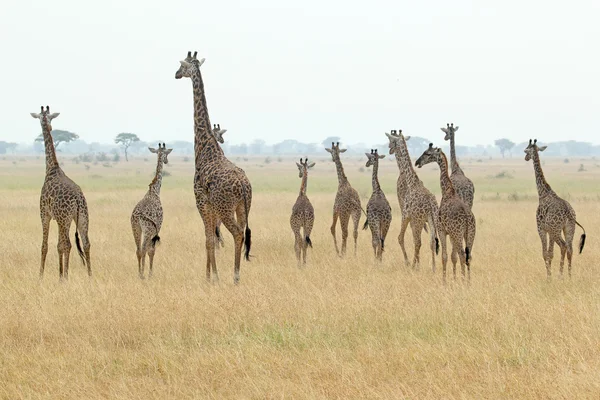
point(147, 215)
point(303, 215)
point(379, 212)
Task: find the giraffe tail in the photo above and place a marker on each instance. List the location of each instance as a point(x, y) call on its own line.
point(582, 238)
point(155, 240)
point(308, 241)
point(77, 241)
point(366, 225)
point(247, 232)
point(219, 236)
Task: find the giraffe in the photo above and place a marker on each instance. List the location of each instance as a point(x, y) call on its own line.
point(420, 205)
point(303, 214)
point(347, 202)
point(455, 217)
point(379, 212)
point(218, 134)
point(223, 191)
point(463, 185)
point(553, 216)
point(61, 199)
point(147, 216)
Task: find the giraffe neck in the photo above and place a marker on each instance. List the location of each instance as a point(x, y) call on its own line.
point(304, 183)
point(154, 186)
point(204, 141)
point(51, 160)
point(405, 165)
point(542, 186)
point(453, 160)
point(374, 178)
point(445, 182)
point(340, 171)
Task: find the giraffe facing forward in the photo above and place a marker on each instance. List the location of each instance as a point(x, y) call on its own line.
point(379, 212)
point(463, 185)
point(223, 191)
point(61, 199)
point(147, 216)
point(455, 217)
point(554, 216)
point(347, 202)
point(303, 215)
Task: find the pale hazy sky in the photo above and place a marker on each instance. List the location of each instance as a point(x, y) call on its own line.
point(305, 69)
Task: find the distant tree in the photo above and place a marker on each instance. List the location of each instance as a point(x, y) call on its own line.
point(327, 142)
point(4, 146)
point(256, 147)
point(59, 137)
point(504, 145)
point(125, 140)
point(416, 145)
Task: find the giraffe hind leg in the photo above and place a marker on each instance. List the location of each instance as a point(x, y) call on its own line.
point(569, 232)
point(45, 230)
point(556, 238)
point(344, 222)
point(137, 238)
point(335, 219)
point(82, 227)
point(64, 249)
point(356, 222)
point(238, 236)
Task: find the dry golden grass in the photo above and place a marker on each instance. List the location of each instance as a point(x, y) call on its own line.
point(341, 328)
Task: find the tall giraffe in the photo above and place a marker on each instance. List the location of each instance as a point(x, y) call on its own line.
point(147, 216)
point(303, 214)
point(61, 199)
point(379, 212)
point(347, 202)
point(463, 185)
point(553, 216)
point(223, 191)
point(420, 205)
point(455, 217)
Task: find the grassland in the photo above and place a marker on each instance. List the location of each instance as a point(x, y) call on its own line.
point(340, 328)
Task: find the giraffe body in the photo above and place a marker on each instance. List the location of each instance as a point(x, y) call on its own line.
point(347, 203)
point(420, 205)
point(554, 217)
point(379, 212)
point(303, 216)
point(147, 216)
point(223, 191)
point(61, 199)
point(456, 220)
point(462, 185)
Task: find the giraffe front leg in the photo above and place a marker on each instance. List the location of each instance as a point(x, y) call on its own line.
point(403, 228)
point(151, 260)
point(297, 246)
point(137, 238)
point(335, 218)
point(416, 227)
point(442, 237)
point(344, 222)
point(45, 231)
point(563, 250)
point(356, 221)
point(64, 248)
point(454, 258)
point(569, 232)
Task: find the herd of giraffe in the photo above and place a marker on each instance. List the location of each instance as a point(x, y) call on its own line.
point(224, 196)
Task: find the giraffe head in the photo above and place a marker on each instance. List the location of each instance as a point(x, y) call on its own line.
point(335, 151)
point(45, 117)
point(449, 131)
point(531, 148)
point(187, 65)
point(394, 138)
point(162, 152)
point(304, 167)
point(373, 157)
point(218, 133)
point(432, 154)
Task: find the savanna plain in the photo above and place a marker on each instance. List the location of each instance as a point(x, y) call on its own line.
point(338, 328)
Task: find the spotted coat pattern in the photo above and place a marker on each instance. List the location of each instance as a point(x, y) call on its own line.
point(303, 215)
point(379, 212)
point(463, 185)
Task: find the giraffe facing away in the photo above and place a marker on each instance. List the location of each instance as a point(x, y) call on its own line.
point(455, 217)
point(303, 215)
point(223, 191)
point(347, 202)
point(379, 212)
point(61, 199)
point(554, 216)
point(463, 185)
point(147, 216)
point(420, 205)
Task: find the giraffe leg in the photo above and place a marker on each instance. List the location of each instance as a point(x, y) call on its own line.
point(569, 232)
point(64, 248)
point(432, 238)
point(544, 240)
point(137, 237)
point(151, 251)
point(550, 255)
point(308, 226)
point(297, 245)
point(238, 238)
point(458, 248)
point(344, 222)
point(209, 231)
point(454, 258)
point(444, 245)
point(417, 227)
point(45, 229)
point(374, 226)
point(403, 228)
point(356, 221)
point(148, 234)
point(335, 218)
point(82, 227)
point(563, 249)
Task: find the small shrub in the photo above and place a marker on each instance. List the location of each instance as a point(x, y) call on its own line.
point(87, 167)
point(146, 159)
point(166, 173)
point(268, 160)
point(361, 169)
point(245, 158)
point(107, 165)
point(76, 160)
point(95, 176)
point(503, 175)
point(566, 160)
point(186, 159)
point(581, 168)
point(14, 163)
point(279, 159)
point(101, 157)
point(116, 157)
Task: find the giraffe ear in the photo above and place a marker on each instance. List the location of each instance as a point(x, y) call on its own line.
point(299, 166)
point(168, 151)
point(368, 155)
point(327, 150)
point(222, 131)
point(542, 148)
point(152, 149)
point(406, 138)
point(455, 128)
point(35, 115)
point(343, 150)
point(185, 64)
point(444, 130)
point(382, 156)
point(52, 116)
point(201, 61)
point(311, 165)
